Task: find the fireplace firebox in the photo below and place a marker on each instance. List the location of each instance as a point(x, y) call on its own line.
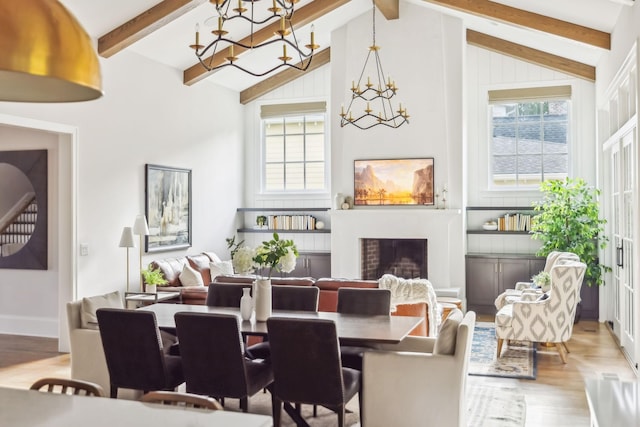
point(405, 258)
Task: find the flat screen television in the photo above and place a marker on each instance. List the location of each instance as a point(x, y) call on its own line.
point(393, 182)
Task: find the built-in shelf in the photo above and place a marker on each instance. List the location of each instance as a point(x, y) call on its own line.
point(500, 208)
point(496, 232)
point(283, 209)
point(279, 231)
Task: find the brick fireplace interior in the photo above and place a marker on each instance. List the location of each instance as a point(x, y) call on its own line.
point(405, 258)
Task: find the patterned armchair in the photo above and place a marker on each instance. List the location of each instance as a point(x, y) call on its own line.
point(550, 317)
point(523, 290)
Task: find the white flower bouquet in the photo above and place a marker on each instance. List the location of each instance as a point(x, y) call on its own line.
point(275, 254)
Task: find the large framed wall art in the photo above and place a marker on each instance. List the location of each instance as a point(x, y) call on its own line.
point(393, 182)
point(168, 207)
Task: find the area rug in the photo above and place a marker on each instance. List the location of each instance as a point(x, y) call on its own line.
point(488, 406)
point(492, 406)
point(518, 359)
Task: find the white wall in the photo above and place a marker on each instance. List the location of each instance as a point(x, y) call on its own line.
point(311, 86)
point(486, 70)
point(146, 116)
point(423, 51)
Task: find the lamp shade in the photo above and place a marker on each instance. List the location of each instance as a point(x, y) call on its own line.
point(126, 240)
point(140, 227)
point(46, 54)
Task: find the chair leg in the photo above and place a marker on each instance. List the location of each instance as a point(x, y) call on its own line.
point(276, 410)
point(244, 404)
point(564, 344)
point(500, 341)
point(114, 392)
point(563, 355)
point(340, 411)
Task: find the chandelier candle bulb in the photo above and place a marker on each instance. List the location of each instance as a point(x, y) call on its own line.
point(313, 37)
point(282, 24)
point(197, 34)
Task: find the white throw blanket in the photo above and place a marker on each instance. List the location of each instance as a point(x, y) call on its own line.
point(411, 291)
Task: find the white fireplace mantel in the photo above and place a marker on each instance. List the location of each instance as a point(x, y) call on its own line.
point(441, 227)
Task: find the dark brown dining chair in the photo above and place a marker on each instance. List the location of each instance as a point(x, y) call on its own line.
point(286, 297)
point(134, 352)
point(225, 294)
point(188, 400)
point(305, 357)
point(366, 301)
point(67, 386)
point(213, 358)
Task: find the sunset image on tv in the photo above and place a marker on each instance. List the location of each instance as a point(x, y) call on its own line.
point(393, 182)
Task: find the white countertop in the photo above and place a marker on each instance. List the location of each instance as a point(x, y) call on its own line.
point(613, 402)
point(27, 408)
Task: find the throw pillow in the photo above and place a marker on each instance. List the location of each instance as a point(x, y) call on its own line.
point(212, 256)
point(190, 277)
point(220, 268)
point(88, 318)
point(446, 340)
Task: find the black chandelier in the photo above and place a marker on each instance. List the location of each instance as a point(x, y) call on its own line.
point(379, 93)
point(257, 17)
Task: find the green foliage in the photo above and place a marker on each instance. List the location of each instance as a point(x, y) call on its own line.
point(569, 221)
point(272, 253)
point(153, 277)
point(232, 245)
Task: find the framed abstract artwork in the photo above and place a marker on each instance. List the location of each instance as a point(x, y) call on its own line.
point(393, 182)
point(168, 208)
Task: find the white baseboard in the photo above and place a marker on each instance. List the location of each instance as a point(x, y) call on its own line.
point(30, 326)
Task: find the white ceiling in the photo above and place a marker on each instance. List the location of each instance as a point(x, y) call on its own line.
point(169, 45)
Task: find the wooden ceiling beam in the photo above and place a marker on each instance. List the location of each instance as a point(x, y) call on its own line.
point(301, 17)
point(144, 24)
point(282, 78)
point(511, 15)
point(389, 8)
point(534, 56)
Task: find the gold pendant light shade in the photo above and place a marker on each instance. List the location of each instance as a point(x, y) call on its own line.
point(45, 54)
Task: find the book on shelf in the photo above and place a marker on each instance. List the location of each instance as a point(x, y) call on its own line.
point(516, 221)
point(291, 222)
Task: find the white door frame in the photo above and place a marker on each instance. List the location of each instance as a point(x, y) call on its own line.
point(67, 167)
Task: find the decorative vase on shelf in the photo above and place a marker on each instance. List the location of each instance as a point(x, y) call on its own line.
point(263, 299)
point(246, 304)
point(150, 289)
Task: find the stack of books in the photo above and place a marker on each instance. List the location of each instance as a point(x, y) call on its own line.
point(515, 222)
point(291, 222)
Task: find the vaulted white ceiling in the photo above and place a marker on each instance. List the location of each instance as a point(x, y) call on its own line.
point(169, 44)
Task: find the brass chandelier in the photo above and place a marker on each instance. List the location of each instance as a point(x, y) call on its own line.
point(379, 91)
point(280, 15)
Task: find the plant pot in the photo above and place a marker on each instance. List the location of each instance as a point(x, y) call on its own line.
point(150, 289)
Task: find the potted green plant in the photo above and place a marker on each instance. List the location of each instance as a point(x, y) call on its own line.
point(569, 221)
point(261, 221)
point(153, 277)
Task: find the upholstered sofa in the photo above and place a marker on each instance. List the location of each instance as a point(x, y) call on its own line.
point(328, 300)
point(172, 268)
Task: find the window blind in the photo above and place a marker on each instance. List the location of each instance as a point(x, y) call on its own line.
point(530, 94)
point(279, 110)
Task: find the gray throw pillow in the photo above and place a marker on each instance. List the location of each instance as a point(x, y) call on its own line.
point(446, 340)
point(88, 317)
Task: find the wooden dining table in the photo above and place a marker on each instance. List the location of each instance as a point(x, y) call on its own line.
point(26, 408)
point(353, 328)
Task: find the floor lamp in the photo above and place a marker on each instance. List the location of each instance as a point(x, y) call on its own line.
point(141, 228)
point(126, 241)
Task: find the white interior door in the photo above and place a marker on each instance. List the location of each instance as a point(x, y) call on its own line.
point(623, 193)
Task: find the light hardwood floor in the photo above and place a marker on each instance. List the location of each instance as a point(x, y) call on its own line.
point(555, 399)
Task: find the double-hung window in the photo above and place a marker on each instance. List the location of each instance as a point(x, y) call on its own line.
point(294, 147)
point(529, 136)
